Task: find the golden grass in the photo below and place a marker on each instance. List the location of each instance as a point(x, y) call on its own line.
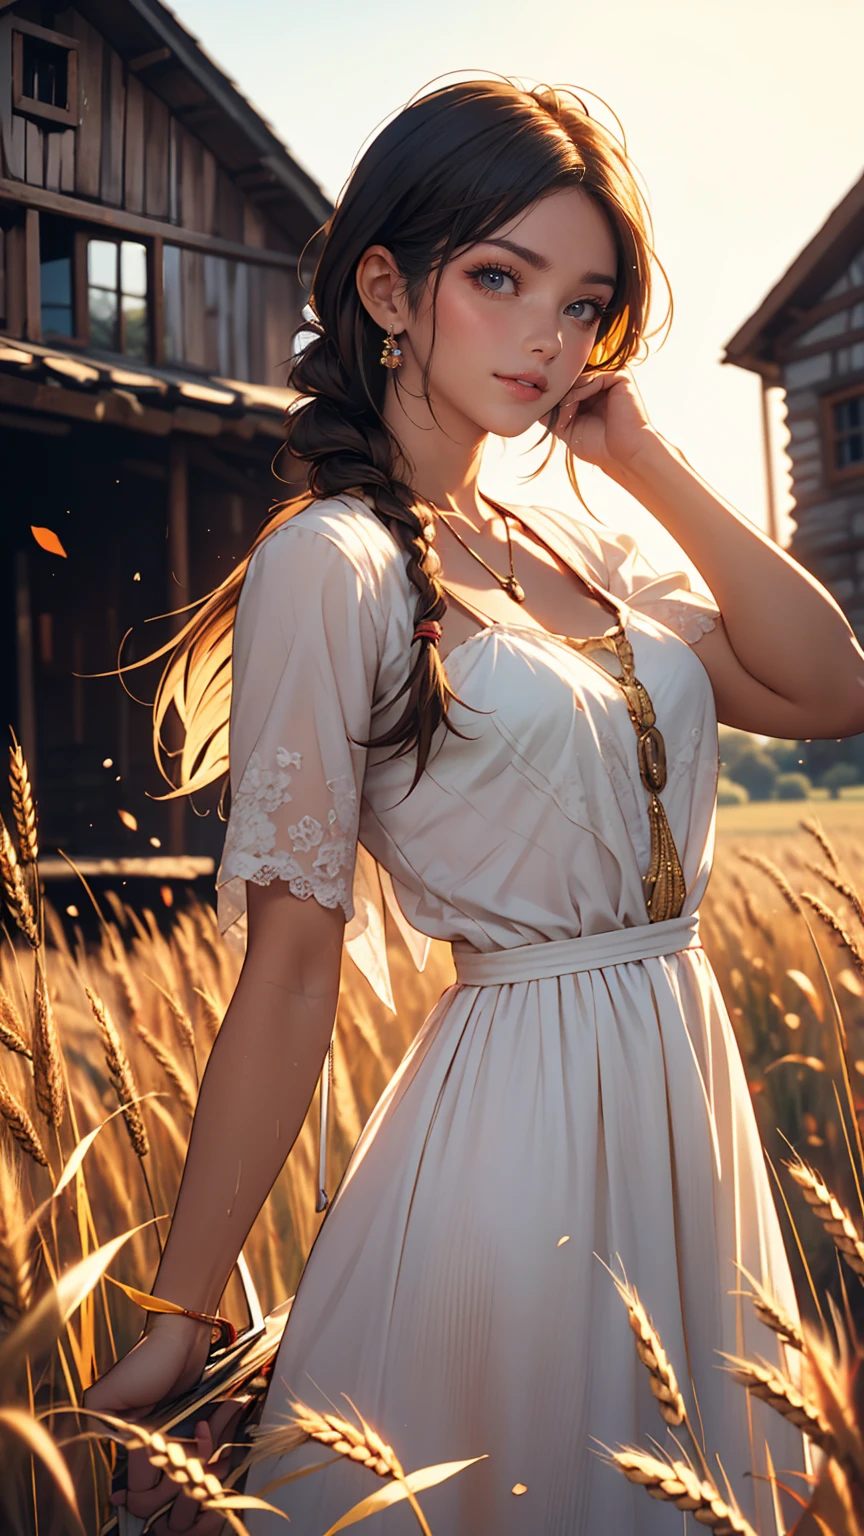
point(131, 1019)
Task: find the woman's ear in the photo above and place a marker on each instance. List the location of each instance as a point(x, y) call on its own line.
point(381, 288)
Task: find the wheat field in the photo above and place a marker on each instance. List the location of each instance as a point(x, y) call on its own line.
point(102, 1046)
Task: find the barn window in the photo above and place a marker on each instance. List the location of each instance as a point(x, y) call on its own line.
point(117, 296)
point(44, 74)
point(844, 430)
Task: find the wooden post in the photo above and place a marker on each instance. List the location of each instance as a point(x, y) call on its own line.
point(178, 597)
point(32, 285)
point(24, 662)
point(155, 264)
point(767, 444)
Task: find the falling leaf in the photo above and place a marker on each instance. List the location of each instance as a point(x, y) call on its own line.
point(167, 895)
point(137, 576)
point(107, 762)
point(47, 539)
point(72, 911)
point(519, 1488)
point(563, 1240)
point(852, 982)
point(792, 1020)
point(128, 820)
point(155, 842)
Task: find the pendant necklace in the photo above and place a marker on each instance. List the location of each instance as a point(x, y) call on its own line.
point(663, 884)
point(510, 584)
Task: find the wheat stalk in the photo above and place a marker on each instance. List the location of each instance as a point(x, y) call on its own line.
point(811, 825)
point(768, 867)
point(12, 1031)
point(16, 1263)
point(664, 1384)
point(364, 1445)
point(211, 1012)
point(774, 1388)
point(47, 1059)
point(774, 1316)
point(180, 1017)
point(841, 886)
point(677, 1483)
point(17, 899)
point(836, 1221)
point(168, 1065)
point(120, 1072)
point(21, 1126)
point(832, 921)
point(23, 807)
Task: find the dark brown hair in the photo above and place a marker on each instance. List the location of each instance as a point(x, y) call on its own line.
point(447, 171)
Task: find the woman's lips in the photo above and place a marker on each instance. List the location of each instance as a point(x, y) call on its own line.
point(520, 390)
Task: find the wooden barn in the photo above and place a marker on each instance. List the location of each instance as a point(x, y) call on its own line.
point(150, 228)
point(807, 338)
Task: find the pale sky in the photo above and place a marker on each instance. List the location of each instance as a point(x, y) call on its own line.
point(743, 118)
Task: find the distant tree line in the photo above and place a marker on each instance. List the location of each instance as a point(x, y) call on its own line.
point(776, 769)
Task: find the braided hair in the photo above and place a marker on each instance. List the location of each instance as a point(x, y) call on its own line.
point(448, 170)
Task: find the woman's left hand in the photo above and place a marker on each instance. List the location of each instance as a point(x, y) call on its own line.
point(603, 420)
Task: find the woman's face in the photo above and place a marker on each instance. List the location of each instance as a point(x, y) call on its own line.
point(504, 313)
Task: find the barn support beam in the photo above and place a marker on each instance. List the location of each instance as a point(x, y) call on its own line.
point(768, 449)
point(178, 597)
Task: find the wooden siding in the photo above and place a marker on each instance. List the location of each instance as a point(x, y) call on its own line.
point(130, 153)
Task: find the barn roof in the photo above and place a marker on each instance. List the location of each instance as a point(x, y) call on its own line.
point(818, 265)
point(151, 40)
point(145, 399)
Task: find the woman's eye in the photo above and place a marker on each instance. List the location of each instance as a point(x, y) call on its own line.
point(599, 311)
point(499, 276)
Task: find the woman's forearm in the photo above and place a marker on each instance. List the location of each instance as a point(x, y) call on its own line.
point(784, 627)
point(254, 1096)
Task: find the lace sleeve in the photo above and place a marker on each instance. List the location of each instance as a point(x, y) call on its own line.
point(304, 665)
point(667, 597)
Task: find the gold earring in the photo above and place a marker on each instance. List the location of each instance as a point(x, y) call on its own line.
point(391, 356)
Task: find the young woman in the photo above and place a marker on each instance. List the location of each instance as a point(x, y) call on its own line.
point(540, 791)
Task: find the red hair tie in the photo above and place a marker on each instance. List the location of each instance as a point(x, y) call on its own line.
point(428, 629)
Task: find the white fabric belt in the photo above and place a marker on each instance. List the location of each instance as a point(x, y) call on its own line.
point(558, 957)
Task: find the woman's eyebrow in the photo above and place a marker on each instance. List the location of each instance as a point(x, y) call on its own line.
point(542, 263)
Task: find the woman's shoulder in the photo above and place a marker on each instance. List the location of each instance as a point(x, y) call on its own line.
point(345, 523)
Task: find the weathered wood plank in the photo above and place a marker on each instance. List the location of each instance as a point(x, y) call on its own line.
point(257, 318)
point(113, 118)
point(67, 160)
point(229, 208)
point(208, 193)
point(89, 133)
point(138, 224)
point(191, 179)
point(280, 320)
point(12, 144)
point(155, 281)
point(173, 172)
point(133, 162)
point(32, 309)
point(15, 284)
point(52, 161)
point(156, 121)
point(213, 280)
point(35, 155)
point(192, 299)
point(254, 226)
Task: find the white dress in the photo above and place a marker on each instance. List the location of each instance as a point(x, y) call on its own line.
point(606, 1105)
